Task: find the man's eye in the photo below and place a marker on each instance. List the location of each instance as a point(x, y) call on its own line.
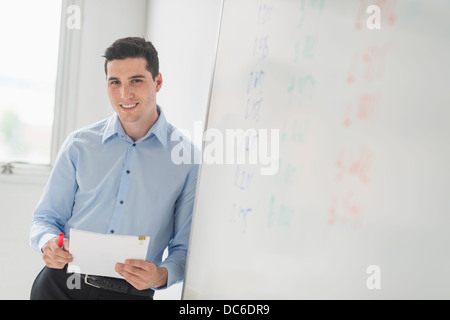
point(136, 80)
point(114, 82)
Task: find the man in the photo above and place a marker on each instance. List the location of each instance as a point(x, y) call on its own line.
point(117, 177)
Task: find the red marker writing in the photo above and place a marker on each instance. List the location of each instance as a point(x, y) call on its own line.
point(61, 240)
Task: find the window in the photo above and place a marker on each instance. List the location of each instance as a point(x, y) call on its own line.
point(28, 68)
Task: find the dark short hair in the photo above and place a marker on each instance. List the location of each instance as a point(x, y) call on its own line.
point(133, 47)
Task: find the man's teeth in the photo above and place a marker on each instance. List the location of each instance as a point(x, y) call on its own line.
point(128, 106)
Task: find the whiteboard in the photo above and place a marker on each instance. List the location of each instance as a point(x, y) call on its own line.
point(360, 204)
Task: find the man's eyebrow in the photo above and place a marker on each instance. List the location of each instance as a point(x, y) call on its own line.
point(138, 76)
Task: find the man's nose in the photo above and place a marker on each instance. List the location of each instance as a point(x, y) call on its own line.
point(126, 92)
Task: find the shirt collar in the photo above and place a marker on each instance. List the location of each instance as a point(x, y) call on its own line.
point(159, 129)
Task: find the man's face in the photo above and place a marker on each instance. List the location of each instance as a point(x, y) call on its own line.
point(132, 90)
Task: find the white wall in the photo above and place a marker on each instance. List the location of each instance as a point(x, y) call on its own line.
point(184, 33)
point(19, 263)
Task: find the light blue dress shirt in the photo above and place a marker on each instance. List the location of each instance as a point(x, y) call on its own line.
point(103, 181)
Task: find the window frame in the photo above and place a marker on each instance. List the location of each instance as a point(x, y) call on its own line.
point(64, 106)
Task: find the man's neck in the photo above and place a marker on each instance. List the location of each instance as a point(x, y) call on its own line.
point(137, 130)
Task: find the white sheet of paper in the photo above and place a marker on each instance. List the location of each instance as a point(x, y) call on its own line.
point(97, 253)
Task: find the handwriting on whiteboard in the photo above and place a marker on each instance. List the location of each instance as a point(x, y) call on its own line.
point(241, 208)
point(239, 215)
point(295, 130)
point(242, 178)
point(255, 92)
point(367, 65)
point(347, 208)
point(261, 49)
point(364, 108)
point(354, 163)
point(279, 214)
point(264, 14)
point(364, 80)
point(302, 87)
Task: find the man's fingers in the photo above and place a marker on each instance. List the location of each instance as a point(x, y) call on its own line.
point(138, 273)
point(142, 274)
point(143, 264)
point(66, 245)
point(129, 276)
point(54, 256)
point(131, 269)
point(61, 254)
point(134, 279)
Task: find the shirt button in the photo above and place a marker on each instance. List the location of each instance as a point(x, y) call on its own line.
point(128, 171)
point(121, 201)
point(134, 144)
point(112, 231)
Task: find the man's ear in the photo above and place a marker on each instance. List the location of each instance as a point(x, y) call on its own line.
point(158, 81)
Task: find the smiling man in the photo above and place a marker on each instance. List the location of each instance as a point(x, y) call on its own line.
point(117, 177)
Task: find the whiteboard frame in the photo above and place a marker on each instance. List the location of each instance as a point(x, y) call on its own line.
point(213, 71)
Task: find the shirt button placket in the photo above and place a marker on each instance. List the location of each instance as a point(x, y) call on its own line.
point(122, 192)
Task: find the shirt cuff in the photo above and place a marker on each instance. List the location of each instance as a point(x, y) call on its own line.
point(174, 274)
point(44, 239)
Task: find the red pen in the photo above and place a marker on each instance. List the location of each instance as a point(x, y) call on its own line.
point(61, 240)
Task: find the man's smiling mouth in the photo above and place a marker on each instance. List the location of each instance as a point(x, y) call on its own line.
point(129, 106)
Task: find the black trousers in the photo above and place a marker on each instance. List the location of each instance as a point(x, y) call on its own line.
point(57, 284)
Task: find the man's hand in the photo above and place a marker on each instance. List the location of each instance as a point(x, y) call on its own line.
point(54, 256)
point(142, 274)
